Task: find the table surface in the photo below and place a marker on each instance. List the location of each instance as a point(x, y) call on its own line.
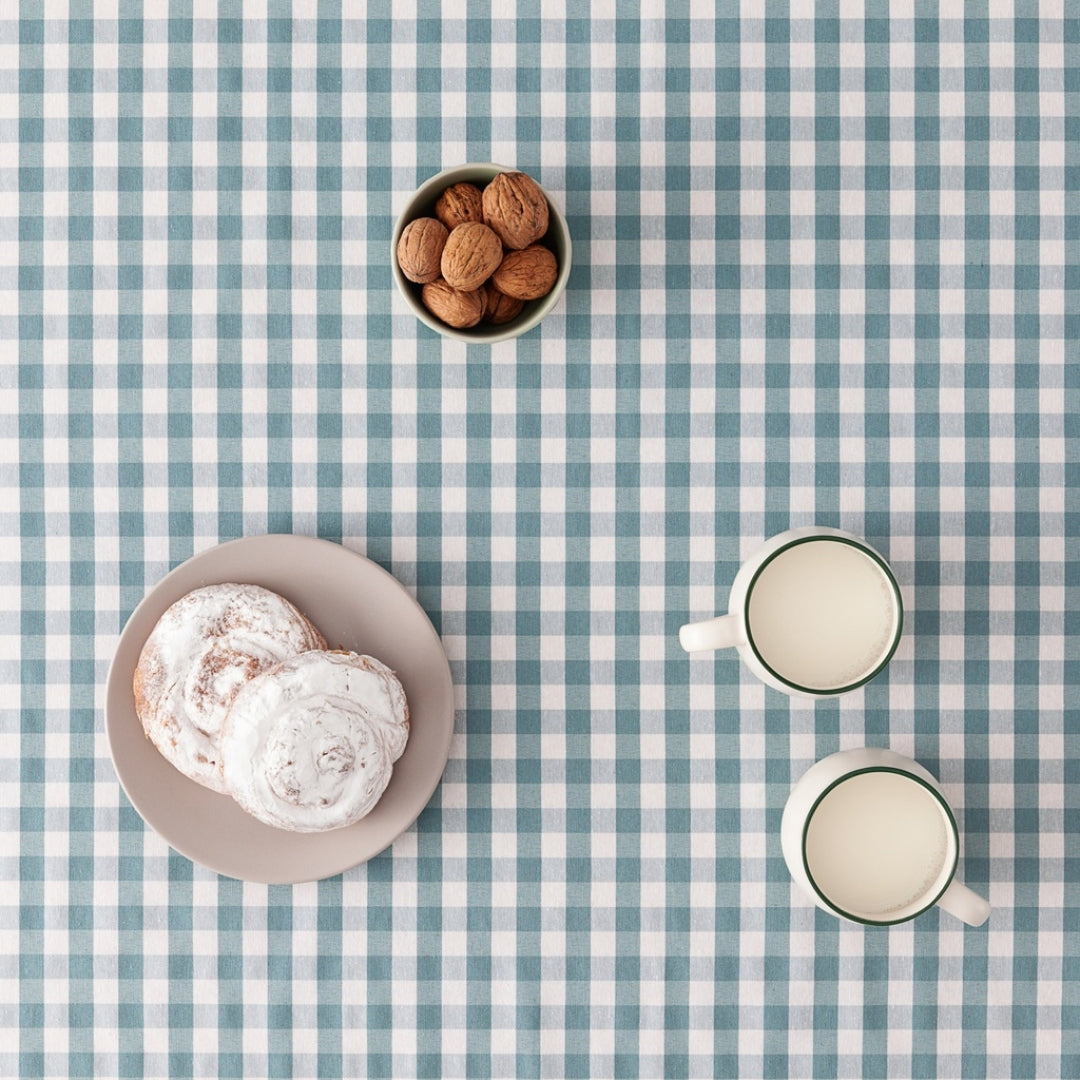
point(826, 270)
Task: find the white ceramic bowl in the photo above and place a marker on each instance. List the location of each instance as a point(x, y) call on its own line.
point(422, 204)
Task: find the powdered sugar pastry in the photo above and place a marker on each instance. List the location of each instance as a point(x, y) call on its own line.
point(310, 745)
point(202, 651)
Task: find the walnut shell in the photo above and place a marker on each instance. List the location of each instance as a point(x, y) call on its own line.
point(515, 207)
point(456, 307)
point(458, 204)
point(528, 274)
point(419, 251)
point(471, 255)
point(501, 308)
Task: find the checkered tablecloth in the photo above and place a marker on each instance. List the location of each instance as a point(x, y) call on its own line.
point(827, 269)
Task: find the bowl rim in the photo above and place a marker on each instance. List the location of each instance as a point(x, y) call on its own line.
point(513, 329)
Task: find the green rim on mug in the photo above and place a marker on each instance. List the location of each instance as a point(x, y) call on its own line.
point(884, 660)
point(949, 817)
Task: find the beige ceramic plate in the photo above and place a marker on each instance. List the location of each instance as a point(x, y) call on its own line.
point(357, 605)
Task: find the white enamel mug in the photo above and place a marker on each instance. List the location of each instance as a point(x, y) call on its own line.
point(815, 612)
point(867, 834)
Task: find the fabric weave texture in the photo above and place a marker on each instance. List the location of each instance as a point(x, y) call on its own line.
point(827, 270)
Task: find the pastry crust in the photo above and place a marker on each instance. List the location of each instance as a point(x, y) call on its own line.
point(310, 744)
point(202, 651)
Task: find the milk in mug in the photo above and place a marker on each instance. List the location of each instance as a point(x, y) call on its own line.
point(822, 614)
point(877, 842)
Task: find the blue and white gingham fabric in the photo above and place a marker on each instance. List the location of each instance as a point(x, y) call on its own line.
point(827, 269)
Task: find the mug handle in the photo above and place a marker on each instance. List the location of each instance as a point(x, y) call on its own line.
point(723, 632)
point(966, 905)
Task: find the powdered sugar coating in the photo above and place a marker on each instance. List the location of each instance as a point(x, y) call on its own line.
point(310, 744)
point(202, 651)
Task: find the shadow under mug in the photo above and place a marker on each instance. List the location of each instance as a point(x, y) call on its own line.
point(816, 612)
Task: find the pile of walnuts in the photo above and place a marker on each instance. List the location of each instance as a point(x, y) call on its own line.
point(479, 258)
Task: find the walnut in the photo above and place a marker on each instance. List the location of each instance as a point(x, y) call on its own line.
point(471, 255)
point(458, 204)
point(419, 251)
point(528, 274)
point(515, 207)
point(501, 308)
point(456, 307)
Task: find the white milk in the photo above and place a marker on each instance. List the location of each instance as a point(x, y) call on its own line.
point(878, 843)
point(823, 614)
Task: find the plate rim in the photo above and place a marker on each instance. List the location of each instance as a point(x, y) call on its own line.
point(113, 676)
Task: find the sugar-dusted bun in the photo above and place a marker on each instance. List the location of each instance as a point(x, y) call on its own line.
point(310, 744)
point(202, 651)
